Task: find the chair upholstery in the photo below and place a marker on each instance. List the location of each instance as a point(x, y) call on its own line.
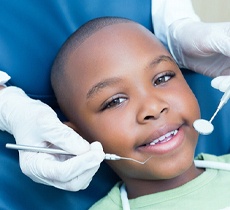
point(31, 34)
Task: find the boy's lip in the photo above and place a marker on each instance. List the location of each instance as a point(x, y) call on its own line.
point(163, 140)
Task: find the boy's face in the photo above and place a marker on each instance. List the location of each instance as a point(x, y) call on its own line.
point(130, 95)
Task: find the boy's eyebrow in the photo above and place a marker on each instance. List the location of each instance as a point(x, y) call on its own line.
point(160, 59)
point(100, 85)
point(111, 81)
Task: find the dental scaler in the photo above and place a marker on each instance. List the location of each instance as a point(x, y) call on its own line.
point(206, 127)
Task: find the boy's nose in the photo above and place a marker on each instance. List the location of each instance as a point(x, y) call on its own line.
point(151, 108)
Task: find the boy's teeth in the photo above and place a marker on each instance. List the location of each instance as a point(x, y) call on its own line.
point(162, 138)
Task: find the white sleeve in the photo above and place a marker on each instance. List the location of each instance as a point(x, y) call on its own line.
point(165, 12)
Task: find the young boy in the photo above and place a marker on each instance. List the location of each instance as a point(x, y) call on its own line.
point(117, 84)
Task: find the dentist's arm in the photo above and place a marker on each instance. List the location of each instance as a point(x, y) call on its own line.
point(34, 123)
point(202, 47)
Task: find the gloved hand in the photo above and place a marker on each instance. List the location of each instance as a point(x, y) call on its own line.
point(202, 47)
point(221, 83)
point(34, 123)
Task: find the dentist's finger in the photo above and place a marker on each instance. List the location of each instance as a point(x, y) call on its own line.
point(221, 83)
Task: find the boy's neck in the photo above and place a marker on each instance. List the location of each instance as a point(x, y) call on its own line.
point(137, 188)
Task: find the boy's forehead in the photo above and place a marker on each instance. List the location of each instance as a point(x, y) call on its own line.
point(123, 30)
point(116, 34)
point(112, 44)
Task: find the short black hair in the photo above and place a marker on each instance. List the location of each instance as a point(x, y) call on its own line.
point(59, 78)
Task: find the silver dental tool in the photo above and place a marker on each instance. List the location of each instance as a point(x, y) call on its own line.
point(116, 157)
point(206, 127)
point(62, 152)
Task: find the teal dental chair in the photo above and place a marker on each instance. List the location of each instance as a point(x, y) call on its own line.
point(31, 32)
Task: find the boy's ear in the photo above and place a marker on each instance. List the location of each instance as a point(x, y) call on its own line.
point(71, 125)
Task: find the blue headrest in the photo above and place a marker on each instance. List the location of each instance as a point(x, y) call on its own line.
point(33, 31)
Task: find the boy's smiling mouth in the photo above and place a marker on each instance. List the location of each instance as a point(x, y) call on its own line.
point(167, 137)
point(164, 143)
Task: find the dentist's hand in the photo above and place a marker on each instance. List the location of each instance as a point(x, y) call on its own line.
point(203, 47)
point(34, 123)
point(221, 83)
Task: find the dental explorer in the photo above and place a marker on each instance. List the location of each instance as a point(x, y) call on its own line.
point(62, 152)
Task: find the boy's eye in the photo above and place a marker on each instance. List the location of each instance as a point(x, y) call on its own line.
point(164, 78)
point(113, 103)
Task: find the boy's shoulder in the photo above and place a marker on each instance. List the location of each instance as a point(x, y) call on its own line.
point(201, 186)
point(111, 201)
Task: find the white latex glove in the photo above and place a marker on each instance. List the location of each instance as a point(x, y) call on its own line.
point(221, 83)
point(166, 12)
point(34, 123)
point(202, 47)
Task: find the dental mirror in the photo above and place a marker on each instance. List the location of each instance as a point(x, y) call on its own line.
point(204, 127)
